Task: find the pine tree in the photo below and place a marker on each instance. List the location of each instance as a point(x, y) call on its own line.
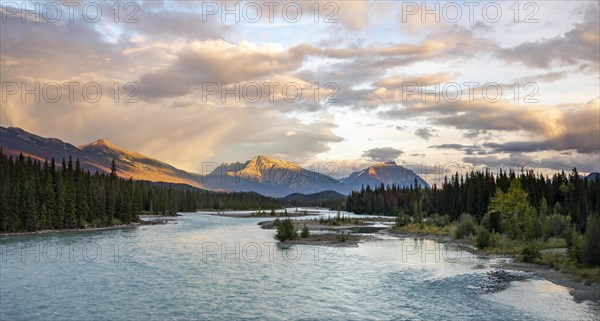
point(59, 213)
point(37, 196)
point(3, 192)
point(43, 217)
point(29, 209)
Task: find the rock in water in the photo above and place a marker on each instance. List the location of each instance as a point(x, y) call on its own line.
point(499, 280)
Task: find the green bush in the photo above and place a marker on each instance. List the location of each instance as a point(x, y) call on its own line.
point(556, 225)
point(591, 244)
point(576, 245)
point(439, 220)
point(530, 252)
point(305, 232)
point(285, 230)
point(491, 221)
point(483, 238)
point(531, 229)
point(569, 235)
point(402, 219)
point(466, 226)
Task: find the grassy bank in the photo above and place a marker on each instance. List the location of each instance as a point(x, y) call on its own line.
point(551, 253)
point(448, 230)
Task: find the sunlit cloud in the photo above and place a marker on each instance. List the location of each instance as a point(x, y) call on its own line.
point(350, 71)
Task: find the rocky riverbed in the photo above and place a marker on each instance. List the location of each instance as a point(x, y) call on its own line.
point(500, 279)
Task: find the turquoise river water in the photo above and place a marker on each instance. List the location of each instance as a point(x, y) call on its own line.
point(217, 268)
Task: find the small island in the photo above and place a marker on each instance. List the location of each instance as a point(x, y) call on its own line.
point(340, 230)
point(271, 213)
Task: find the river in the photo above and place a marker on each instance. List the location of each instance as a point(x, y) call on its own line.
point(222, 268)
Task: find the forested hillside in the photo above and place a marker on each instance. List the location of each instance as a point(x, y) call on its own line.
point(562, 194)
point(523, 208)
point(37, 196)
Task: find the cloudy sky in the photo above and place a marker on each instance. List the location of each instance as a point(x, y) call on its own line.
point(446, 86)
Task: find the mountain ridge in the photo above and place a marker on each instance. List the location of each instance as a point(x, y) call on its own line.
point(96, 156)
point(386, 173)
point(271, 176)
point(262, 174)
point(593, 176)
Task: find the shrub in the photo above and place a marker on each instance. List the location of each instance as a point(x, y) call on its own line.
point(491, 221)
point(531, 229)
point(483, 238)
point(576, 245)
point(305, 233)
point(591, 244)
point(402, 219)
point(285, 230)
point(466, 226)
point(569, 235)
point(439, 220)
point(556, 225)
point(530, 252)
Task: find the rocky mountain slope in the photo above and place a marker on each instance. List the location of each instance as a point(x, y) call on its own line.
point(387, 173)
point(262, 174)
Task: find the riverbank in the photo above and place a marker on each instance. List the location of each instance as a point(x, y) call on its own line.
point(156, 220)
point(580, 290)
point(103, 228)
point(192, 251)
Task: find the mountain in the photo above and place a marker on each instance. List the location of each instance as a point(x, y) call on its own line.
point(329, 199)
point(96, 156)
point(315, 197)
point(138, 166)
point(15, 141)
point(262, 174)
point(387, 173)
point(593, 176)
point(270, 176)
point(228, 167)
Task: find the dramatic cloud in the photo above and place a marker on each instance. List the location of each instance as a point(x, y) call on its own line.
point(467, 149)
point(396, 82)
point(160, 22)
point(578, 46)
point(382, 154)
point(517, 161)
point(425, 132)
point(578, 129)
point(350, 71)
point(574, 126)
point(583, 163)
point(475, 133)
point(217, 62)
point(39, 51)
point(545, 77)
